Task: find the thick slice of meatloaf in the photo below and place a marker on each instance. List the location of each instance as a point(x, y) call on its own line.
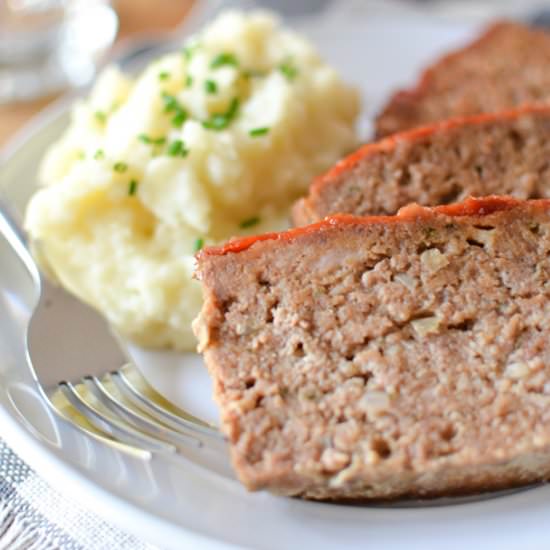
point(507, 66)
point(385, 356)
point(504, 153)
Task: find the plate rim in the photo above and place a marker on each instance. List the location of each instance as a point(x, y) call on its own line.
point(48, 463)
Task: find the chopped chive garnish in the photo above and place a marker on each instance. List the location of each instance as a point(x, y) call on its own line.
point(256, 132)
point(223, 59)
point(100, 116)
point(250, 222)
point(177, 149)
point(179, 118)
point(288, 70)
point(120, 167)
point(132, 187)
point(164, 75)
point(81, 155)
point(170, 103)
point(220, 121)
point(151, 141)
point(216, 122)
point(233, 108)
point(199, 243)
point(189, 81)
point(99, 154)
point(210, 87)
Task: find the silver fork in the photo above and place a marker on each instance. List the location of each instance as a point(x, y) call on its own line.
point(117, 407)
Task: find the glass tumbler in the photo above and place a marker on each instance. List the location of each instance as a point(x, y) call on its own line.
point(46, 45)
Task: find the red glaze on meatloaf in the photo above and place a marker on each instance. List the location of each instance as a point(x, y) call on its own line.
point(384, 357)
point(505, 67)
point(500, 153)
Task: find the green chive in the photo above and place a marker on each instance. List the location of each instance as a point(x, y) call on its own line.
point(223, 59)
point(179, 118)
point(151, 141)
point(216, 122)
point(99, 154)
point(288, 70)
point(164, 75)
point(250, 222)
point(233, 108)
point(210, 87)
point(120, 167)
point(199, 243)
point(132, 187)
point(189, 81)
point(256, 132)
point(100, 116)
point(177, 149)
point(170, 103)
point(220, 121)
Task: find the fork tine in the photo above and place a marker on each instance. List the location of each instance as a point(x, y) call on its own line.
point(143, 423)
point(112, 426)
point(184, 422)
point(65, 411)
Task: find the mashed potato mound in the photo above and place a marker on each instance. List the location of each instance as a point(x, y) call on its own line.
point(214, 141)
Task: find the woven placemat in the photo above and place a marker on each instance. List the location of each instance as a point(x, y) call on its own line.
point(34, 516)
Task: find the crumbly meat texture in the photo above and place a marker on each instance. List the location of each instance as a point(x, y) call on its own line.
point(385, 357)
point(504, 153)
point(508, 65)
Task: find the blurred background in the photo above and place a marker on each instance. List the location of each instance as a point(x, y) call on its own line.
point(48, 47)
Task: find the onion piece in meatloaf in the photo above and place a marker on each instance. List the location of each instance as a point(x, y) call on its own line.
point(363, 358)
point(505, 153)
point(508, 65)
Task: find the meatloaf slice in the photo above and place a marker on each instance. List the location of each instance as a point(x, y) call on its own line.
point(385, 356)
point(504, 153)
point(509, 64)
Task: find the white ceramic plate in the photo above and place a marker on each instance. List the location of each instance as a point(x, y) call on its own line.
point(185, 504)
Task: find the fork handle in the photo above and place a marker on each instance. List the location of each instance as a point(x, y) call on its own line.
point(14, 234)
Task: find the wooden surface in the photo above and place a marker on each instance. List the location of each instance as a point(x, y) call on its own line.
point(136, 16)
